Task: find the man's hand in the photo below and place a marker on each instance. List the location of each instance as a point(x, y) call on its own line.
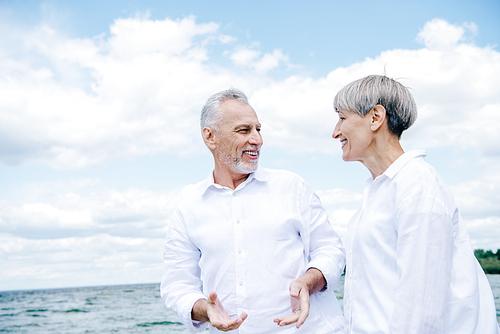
point(299, 300)
point(312, 281)
point(212, 310)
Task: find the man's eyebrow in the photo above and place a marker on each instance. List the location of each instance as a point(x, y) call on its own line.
point(242, 126)
point(246, 126)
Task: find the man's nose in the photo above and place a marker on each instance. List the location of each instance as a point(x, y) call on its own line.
point(255, 138)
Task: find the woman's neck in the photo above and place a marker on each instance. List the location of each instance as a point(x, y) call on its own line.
point(384, 153)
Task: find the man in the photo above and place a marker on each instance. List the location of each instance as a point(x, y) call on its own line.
point(258, 240)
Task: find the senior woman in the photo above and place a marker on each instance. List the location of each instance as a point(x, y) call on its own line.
point(410, 263)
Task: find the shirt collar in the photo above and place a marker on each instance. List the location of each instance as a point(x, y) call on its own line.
point(259, 175)
point(396, 166)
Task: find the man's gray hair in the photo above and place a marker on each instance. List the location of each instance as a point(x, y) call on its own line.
point(211, 112)
point(362, 95)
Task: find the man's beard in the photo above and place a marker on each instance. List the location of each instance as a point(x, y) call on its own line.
point(236, 164)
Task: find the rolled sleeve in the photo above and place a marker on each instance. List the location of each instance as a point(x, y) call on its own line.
point(185, 313)
point(322, 244)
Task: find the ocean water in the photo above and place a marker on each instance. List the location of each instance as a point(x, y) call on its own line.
point(108, 309)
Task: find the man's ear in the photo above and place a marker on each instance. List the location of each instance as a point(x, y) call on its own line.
point(209, 137)
point(377, 116)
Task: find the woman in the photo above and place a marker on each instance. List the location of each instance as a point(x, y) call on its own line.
point(410, 263)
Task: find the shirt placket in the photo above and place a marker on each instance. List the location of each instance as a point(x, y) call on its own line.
point(349, 287)
point(239, 250)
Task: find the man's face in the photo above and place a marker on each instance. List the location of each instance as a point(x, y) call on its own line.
point(238, 138)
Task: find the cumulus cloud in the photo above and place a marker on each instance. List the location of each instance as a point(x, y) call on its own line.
point(484, 232)
point(71, 103)
point(455, 88)
point(251, 58)
point(479, 197)
point(64, 238)
point(52, 214)
point(438, 34)
point(341, 205)
point(78, 261)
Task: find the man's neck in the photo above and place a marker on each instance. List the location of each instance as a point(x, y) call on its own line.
point(228, 179)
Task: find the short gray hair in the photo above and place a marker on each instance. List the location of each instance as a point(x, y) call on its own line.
point(211, 112)
point(362, 95)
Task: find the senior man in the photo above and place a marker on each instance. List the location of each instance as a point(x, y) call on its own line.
point(257, 240)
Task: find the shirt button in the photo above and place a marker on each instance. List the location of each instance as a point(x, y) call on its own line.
point(239, 251)
point(234, 194)
point(237, 221)
point(241, 282)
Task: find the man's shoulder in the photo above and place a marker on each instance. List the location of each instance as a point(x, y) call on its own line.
point(191, 193)
point(284, 182)
point(281, 174)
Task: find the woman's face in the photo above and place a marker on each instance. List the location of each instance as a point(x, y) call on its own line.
point(354, 133)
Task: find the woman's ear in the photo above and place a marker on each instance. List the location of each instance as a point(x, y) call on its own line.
point(209, 137)
point(378, 116)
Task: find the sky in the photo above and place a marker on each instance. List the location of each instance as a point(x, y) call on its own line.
point(100, 104)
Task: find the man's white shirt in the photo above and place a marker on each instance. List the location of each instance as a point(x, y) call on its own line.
point(247, 245)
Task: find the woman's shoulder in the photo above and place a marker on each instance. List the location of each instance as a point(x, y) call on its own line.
point(419, 178)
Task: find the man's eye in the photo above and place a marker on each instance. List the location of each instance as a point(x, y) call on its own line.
point(243, 130)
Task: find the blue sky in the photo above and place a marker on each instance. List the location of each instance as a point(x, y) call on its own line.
point(101, 99)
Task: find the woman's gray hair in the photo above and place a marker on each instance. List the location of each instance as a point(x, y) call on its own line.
point(362, 95)
point(211, 112)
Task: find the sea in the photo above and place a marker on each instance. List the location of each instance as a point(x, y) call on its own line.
point(106, 309)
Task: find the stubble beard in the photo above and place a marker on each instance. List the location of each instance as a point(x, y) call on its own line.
point(236, 164)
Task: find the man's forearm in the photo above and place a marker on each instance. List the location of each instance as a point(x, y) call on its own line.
point(313, 279)
point(199, 311)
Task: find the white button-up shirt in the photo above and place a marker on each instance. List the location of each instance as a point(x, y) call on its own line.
point(410, 263)
point(248, 245)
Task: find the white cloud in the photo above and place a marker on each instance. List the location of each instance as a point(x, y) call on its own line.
point(253, 59)
point(341, 205)
point(438, 34)
point(58, 238)
point(456, 89)
point(131, 38)
point(71, 103)
point(244, 56)
point(52, 214)
point(484, 232)
point(78, 261)
point(479, 196)
point(226, 39)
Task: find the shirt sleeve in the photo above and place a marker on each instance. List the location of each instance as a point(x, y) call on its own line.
point(180, 286)
point(424, 262)
point(322, 244)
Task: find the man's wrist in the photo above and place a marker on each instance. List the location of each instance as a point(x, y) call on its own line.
point(199, 311)
point(314, 280)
